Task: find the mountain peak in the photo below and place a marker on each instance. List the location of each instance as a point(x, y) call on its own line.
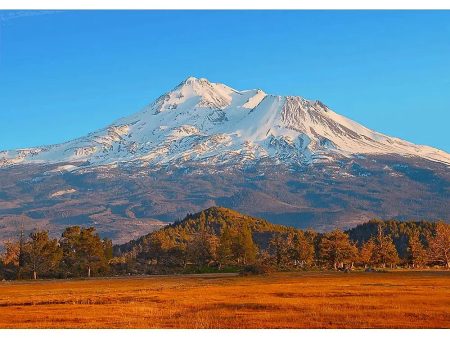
point(210, 123)
point(190, 79)
point(195, 93)
point(193, 81)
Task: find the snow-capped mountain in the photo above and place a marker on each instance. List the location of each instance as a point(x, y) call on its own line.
point(287, 159)
point(210, 123)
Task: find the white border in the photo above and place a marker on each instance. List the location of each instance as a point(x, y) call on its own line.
point(224, 4)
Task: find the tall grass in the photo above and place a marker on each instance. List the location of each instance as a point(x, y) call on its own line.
point(287, 300)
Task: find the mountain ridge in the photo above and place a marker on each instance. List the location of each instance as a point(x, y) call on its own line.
point(289, 160)
point(211, 123)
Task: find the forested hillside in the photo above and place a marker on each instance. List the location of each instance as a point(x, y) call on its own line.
point(400, 231)
point(212, 220)
point(220, 239)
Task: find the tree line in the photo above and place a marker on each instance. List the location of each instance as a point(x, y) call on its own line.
point(220, 239)
point(79, 252)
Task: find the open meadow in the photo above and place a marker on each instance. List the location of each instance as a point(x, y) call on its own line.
point(283, 300)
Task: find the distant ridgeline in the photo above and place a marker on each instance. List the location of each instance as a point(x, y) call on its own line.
point(219, 239)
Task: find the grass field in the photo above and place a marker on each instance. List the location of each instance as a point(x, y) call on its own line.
point(285, 300)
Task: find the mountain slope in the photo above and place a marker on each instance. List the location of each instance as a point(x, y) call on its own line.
point(286, 159)
point(210, 123)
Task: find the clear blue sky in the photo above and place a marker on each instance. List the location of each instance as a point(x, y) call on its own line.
point(64, 74)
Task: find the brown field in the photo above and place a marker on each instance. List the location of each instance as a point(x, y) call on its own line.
point(285, 300)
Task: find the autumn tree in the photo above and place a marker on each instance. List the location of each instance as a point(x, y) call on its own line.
point(300, 249)
point(176, 254)
point(84, 252)
point(335, 249)
point(291, 250)
point(439, 245)
point(367, 253)
point(202, 249)
point(155, 247)
point(42, 254)
point(11, 253)
point(165, 249)
point(92, 253)
point(417, 255)
point(278, 248)
point(385, 250)
point(244, 248)
point(225, 247)
point(69, 245)
point(9, 260)
point(314, 238)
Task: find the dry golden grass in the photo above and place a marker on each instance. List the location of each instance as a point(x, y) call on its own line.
point(288, 300)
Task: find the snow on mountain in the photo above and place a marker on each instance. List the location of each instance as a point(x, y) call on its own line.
point(211, 123)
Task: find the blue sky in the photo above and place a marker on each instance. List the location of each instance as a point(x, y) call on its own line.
point(64, 74)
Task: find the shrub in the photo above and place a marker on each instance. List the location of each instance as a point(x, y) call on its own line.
point(255, 269)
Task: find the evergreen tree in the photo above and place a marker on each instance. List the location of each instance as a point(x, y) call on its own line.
point(11, 253)
point(84, 253)
point(225, 247)
point(202, 249)
point(155, 248)
point(202, 220)
point(244, 249)
point(385, 252)
point(42, 254)
point(92, 255)
point(300, 249)
point(417, 255)
point(278, 247)
point(367, 253)
point(335, 249)
point(10, 260)
point(439, 245)
point(69, 244)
